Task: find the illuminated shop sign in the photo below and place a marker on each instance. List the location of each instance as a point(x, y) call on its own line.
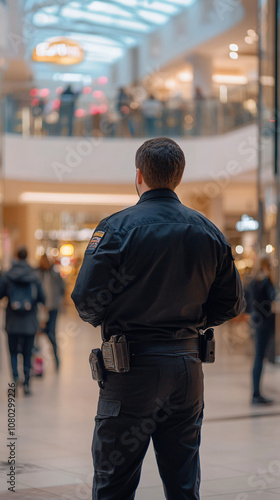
point(59, 51)
point(247, 224)
point(64, 235)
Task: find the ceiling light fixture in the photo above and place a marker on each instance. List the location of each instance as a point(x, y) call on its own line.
point(78, 198)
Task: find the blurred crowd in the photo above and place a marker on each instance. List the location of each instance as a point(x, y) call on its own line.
point(127, 114)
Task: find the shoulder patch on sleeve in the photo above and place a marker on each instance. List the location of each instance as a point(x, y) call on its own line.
point(94, 241)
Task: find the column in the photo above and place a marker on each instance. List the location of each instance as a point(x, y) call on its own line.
point(202, 74)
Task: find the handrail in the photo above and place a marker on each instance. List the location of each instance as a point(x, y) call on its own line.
point(181, 118)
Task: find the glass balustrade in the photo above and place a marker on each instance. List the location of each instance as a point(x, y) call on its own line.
point(187, 118)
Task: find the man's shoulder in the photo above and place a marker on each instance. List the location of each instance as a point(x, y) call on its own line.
point(138, 215)
point(116, 221)
point(195, 218)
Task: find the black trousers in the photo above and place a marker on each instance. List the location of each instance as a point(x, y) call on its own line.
point(160, 398)
point(24, 344)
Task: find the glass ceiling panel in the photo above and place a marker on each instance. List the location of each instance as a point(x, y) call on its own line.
point(99, 24)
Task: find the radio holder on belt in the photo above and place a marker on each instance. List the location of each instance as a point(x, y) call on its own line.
point(115, 354)
point(207, 345)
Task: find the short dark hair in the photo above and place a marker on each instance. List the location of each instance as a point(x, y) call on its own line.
point(22, 253)
point(161, 161)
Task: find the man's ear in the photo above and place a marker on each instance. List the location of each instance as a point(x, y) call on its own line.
point(139, 176)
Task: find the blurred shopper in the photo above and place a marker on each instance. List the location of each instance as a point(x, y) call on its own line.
point(199, 111)
point(152, 110)
point(23, 289)
point(53, 287)
point(123, 108)
point(152, 276)
point(261, 293)
point(67, 109)
point(174, 120)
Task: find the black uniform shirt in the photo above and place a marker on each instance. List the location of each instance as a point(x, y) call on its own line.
point(157, 270)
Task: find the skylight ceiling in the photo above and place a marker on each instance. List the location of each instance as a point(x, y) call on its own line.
point(105, 29)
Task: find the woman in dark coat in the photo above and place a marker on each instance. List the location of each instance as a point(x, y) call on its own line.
point(262, 293)
point(23, 289)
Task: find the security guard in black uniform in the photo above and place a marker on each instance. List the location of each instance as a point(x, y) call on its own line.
point(154, 275)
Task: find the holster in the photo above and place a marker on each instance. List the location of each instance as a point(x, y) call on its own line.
point(207, 345)
point(115, 354)
point(97, 365)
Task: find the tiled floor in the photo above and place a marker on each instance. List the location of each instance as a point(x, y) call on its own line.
point(240, 452)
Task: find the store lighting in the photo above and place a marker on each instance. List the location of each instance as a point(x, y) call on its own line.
point(44, 92)
point(170, 84)
point(185, 76)
point(79, 113)
point(223, 94)
point(188, 119)
point(102, 80)
point(98, 94)
point(67, 250)
point(78, 198)
point(252, 34)
point(44, 19)
point(40, 250)
point(167, 8)
point(184, 3)
point(154, 17)
point(233, 55)
point(72, 77)
point(86, 90)
point(103, 109)
point(239, 249)
point(267, 80)
point(105, 20)
point(269, 248)
point(54, 252)
point(108, 8)
point(65, 261)
point(230, 79)
point(249, 40)
point(247, 224)
point(233, 47)
point(250, 105)
point(35, 102)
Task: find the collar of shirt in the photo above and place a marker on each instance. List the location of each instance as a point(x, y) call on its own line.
point(158, 193)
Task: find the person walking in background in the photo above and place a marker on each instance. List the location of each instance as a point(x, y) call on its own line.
point(152, 110)
point(67, 109)
point(199, 111)
point(53, 286)
point(23, 289)
point(261, 293)
point(123, 101)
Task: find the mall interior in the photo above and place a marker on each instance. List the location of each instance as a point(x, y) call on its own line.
point(82, 85)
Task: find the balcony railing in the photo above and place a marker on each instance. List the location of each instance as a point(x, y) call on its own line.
point(197, 117)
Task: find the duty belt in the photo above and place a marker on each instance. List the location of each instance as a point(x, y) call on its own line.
point(115, 354)
point(188, 346)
